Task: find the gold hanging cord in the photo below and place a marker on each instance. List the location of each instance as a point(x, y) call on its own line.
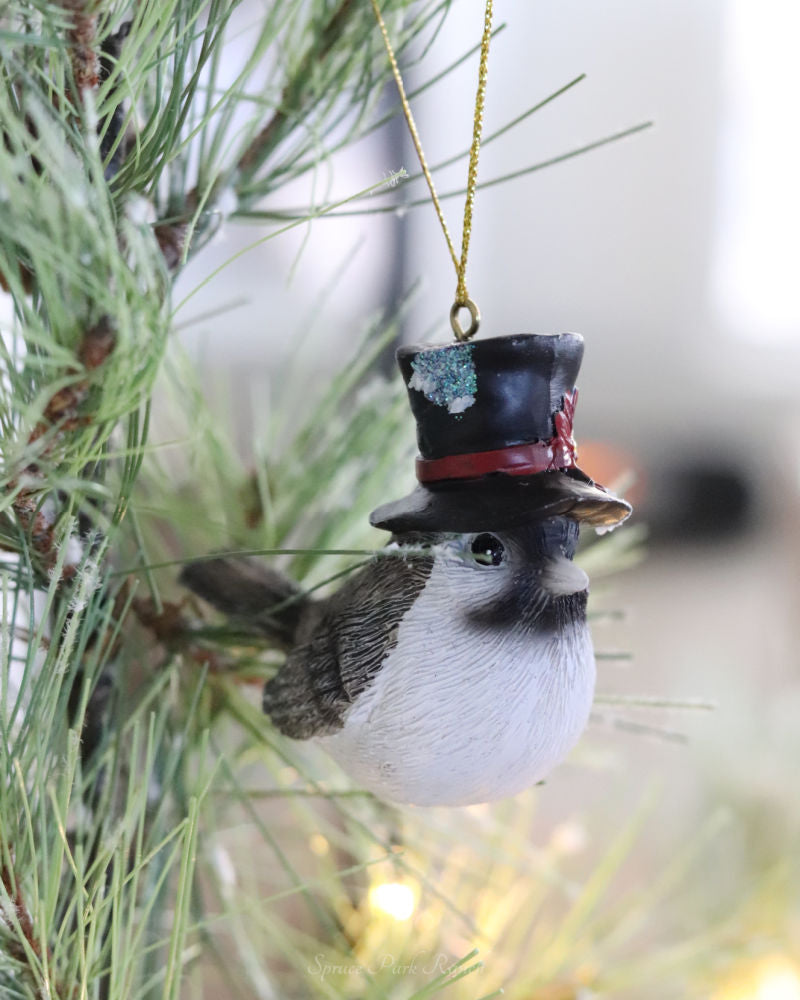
point(462, 300)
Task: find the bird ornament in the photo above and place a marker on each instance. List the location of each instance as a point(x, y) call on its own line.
point(460, 670)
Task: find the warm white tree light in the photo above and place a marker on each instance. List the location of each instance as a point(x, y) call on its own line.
point(393, 898)
point(772, 978)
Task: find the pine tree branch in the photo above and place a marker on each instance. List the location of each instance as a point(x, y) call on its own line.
point(61, 412)
point(22, 915)
point(295, 93)
point(21, 949)
point(81, 39)
point(61, 416)
point(172, 630)
point(113, 144)
point(172, 236)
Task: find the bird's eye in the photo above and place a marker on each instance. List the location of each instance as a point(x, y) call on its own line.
point(487, 550)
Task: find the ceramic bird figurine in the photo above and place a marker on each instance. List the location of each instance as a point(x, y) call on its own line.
point(458, 668)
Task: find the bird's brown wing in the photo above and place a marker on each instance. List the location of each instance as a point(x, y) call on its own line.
point(344, 649)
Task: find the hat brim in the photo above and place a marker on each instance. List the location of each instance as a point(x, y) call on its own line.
point(502, 501)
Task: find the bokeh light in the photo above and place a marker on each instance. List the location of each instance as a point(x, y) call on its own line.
point(772, 978)
point(393, 898)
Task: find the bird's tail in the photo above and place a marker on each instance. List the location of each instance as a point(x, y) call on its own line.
point(256, 597)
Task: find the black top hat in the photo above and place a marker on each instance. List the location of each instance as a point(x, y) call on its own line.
point(494, 428)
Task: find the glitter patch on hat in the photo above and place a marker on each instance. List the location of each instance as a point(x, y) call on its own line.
point(446, 377)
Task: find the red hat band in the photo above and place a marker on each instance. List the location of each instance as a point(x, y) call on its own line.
point(557, 453)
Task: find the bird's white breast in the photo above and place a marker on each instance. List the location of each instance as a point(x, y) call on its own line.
point(460, 712)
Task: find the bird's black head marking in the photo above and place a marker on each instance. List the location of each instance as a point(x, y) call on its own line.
point(524, 603)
